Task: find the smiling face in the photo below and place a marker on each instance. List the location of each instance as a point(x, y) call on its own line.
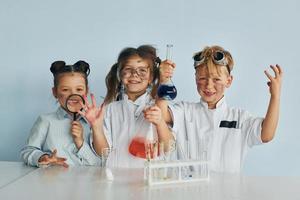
point(211, 85)
point(136, 77)
point(69, 83)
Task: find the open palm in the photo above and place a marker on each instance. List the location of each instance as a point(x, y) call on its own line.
point(53, 159)
point(91, 112)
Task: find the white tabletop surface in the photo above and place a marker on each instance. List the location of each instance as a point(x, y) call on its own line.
point(12, 171)
point(89, 183)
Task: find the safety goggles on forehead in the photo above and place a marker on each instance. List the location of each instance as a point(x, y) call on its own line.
point(218, 57)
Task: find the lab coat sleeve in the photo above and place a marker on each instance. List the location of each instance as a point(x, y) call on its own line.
point(107, 130)
point(252, 126)
point(177, 111)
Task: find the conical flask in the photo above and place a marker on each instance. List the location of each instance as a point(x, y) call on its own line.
point(167, 90)
point(144, 143)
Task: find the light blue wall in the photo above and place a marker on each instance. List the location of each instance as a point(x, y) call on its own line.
point(35, 33)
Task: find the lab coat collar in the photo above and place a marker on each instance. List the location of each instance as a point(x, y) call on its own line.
point(140, 103)
point(220, 105)
point(141, 100)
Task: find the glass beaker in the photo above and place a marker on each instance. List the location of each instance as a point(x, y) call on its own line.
point(167, 91)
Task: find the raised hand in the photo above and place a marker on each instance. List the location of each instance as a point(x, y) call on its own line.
point(270, 122)
point(274, 83)
point(92, 113)
point(166, 69)
point(53, 160)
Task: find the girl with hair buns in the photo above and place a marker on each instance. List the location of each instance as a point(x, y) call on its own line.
point(56, 138)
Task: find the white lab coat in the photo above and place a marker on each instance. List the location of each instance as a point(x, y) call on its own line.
point(226, 133)
point(122, 121)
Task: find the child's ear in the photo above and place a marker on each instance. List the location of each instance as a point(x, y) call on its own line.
point(54, 92)
point(229, 81)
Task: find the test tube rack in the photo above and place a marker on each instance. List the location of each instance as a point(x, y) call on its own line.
point(168, 172)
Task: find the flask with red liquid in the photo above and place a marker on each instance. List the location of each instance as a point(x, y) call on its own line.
point(144, 144)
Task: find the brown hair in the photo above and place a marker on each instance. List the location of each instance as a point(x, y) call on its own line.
point(113, 80)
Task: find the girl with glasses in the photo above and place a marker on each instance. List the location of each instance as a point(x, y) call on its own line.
point(131, 89)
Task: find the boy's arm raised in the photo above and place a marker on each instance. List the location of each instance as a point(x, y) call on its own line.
point(270, 122)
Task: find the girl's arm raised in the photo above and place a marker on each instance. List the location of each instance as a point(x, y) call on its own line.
point(95, 116)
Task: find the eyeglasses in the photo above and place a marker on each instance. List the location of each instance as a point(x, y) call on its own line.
point(61, 67)
point(218, 57)
point(142, 72)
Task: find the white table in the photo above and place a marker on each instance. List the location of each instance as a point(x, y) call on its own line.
point(89, 183)
point(12, 171)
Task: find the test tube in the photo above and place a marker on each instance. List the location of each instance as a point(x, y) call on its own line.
point(162, 157)
point(170, 148)
point(202, 156)
point(104, 154)
point(187, 149)
point(188, 170)
point(168, 54)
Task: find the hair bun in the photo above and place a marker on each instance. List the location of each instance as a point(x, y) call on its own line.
point(82, 66)
point(56, 66)
point(61, 67)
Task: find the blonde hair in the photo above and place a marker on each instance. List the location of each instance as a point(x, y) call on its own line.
point(210, 64)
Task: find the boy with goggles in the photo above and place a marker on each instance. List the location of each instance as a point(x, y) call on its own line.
point(227, 132)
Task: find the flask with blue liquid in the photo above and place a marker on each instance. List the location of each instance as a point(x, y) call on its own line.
point(167, 91)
